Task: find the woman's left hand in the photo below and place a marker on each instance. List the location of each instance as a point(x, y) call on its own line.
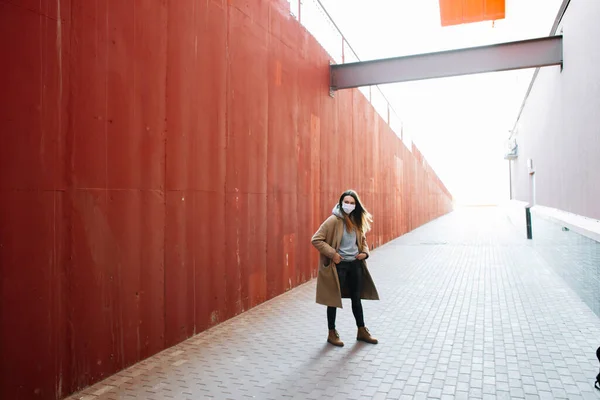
point(361, 256)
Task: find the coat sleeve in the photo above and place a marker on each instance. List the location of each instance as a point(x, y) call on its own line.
point(318, 240)
point(365, 246)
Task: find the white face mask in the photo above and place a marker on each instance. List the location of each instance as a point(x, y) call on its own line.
point(348, 208)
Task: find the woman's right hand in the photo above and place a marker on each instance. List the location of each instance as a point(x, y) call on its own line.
point(337, 258)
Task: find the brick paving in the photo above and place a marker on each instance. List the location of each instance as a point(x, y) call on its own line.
point(469, 310)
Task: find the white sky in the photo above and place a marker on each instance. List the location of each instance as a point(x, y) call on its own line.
point(460, 124)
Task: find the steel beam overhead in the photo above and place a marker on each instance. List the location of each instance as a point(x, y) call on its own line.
point(541, 52)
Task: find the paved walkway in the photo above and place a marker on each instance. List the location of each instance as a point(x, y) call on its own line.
point(468, 310)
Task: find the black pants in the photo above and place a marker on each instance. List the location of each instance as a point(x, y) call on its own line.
point(350, 275)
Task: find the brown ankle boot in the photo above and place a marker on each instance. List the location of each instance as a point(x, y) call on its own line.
point(364, 335)
point(334, 338)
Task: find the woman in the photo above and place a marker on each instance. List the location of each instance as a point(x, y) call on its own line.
point(343, 270)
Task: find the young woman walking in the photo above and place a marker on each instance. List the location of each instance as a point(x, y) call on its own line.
point(343, 269)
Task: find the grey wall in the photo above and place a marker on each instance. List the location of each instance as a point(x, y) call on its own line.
point(559, 128)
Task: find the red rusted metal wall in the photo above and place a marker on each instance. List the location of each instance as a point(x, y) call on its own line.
point(163, 166)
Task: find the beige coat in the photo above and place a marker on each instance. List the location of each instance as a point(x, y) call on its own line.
point(327, 240)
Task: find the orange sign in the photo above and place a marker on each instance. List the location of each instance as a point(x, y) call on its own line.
point(455, 12)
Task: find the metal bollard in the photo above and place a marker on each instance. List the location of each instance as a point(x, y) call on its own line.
point(528, 220)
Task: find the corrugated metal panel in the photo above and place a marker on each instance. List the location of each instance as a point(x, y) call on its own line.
point(209, 162)
point(181, 233)
point(174, 162)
